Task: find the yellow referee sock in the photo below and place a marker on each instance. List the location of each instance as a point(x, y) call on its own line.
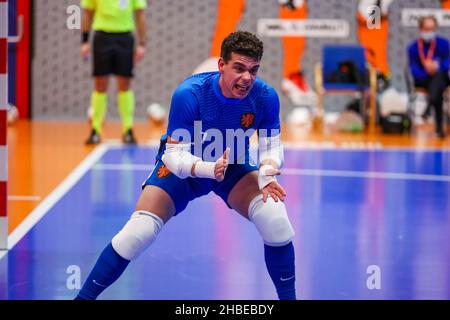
point(126, 109)
point(99, 101)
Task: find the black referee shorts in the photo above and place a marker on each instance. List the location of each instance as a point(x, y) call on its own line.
point(113, 54)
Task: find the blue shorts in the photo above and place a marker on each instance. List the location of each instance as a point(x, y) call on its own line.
point(182, 191)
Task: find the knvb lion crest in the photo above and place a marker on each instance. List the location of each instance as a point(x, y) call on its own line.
point(247, 120)
point(162, 172)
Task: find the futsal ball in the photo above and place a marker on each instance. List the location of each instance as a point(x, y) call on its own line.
point(13, 114)
point(299, 116)
point(156, 112)
point(393, 101)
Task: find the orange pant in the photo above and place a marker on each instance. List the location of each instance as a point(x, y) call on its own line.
point(228, 15)
point(376, 43)
point(445, 4)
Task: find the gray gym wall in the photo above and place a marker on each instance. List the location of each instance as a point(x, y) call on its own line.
point(179, 38)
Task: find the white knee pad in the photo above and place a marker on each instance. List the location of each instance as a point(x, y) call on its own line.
point(137, 234)
point(271, 221)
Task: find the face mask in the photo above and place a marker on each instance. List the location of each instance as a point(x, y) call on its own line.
point(428, 36)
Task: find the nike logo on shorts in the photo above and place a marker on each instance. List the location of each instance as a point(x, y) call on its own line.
point(98, 284)
point(286, 279)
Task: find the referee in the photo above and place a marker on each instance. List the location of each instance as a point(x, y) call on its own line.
point(114, 52)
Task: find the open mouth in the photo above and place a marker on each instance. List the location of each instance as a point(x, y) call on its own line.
point(242, 89)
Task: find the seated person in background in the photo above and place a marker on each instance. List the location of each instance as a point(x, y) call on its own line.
point(429, 61)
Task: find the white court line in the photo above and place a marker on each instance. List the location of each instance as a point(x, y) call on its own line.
point(323, 145)
point(122, 166)
point(41, 210)
point(355, 147)
point(117, 144)
point(365, 174)
point(24, 198)
point(307, 172)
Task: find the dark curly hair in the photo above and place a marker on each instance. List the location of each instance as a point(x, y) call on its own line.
point(242, 42)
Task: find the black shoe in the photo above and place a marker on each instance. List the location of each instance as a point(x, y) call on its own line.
point(128, 137)
point(426, 114)
point(94, 138)
point(441, 134)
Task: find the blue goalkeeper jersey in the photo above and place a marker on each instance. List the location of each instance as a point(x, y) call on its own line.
point(200, 113)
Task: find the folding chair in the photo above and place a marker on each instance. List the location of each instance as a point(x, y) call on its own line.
point(332, 57)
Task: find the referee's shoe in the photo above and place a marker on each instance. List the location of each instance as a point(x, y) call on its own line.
point(128, 137)
point(94, 138)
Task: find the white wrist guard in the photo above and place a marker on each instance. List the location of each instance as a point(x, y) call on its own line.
point(204, 169)
point(263, 179)
point(270, 148)
point(179, 160)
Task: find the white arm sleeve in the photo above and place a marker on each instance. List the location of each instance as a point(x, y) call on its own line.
point(270, 148)
point(179, 160)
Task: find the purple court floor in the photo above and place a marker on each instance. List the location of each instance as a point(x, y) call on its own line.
point(354, 211)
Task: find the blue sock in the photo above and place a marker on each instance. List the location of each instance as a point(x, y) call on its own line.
point(108, 269)
point(280, 262)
